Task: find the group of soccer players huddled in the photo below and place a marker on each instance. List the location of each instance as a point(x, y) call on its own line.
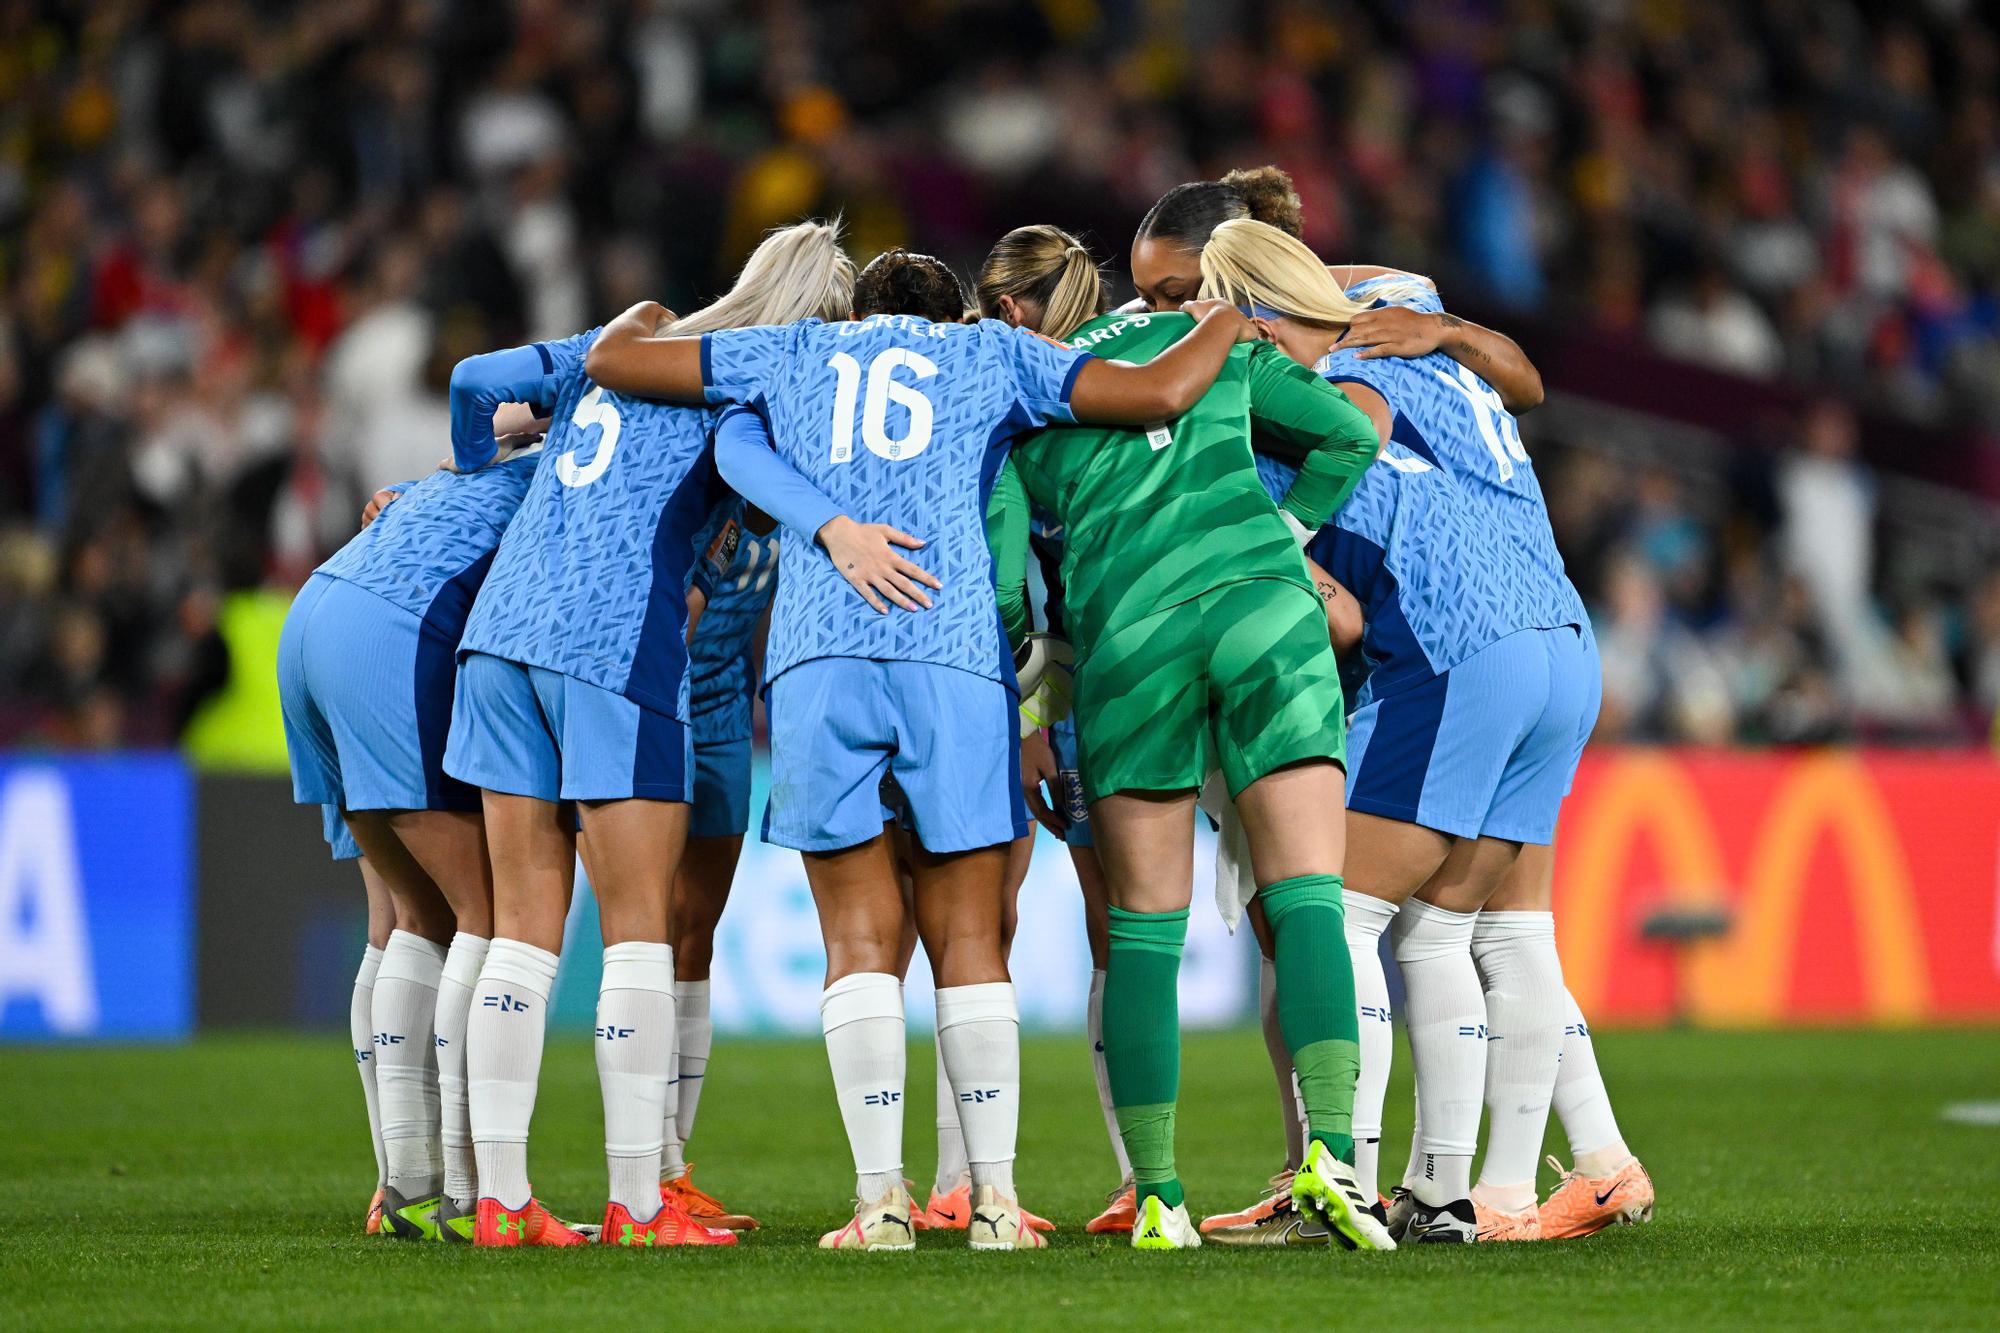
point(1300, 575)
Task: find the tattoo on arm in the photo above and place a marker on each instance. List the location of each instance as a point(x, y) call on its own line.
point(1328, 592)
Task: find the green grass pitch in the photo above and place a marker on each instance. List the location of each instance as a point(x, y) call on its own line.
point(1805, 1179)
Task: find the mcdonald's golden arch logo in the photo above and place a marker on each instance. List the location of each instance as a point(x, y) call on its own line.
point(1744, 978)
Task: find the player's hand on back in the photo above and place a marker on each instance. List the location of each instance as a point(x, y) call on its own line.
point(377, 502)
point(1393, 331)
point(1203, 310)
point(867, 557)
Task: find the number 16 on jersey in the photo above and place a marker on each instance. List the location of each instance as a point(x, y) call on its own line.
point(883, 388)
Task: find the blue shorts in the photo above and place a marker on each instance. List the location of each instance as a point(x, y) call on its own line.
point(338, 840)
point(529, 731)
point(1070, 802)
point(721, 789)
point(1486, 749)
point(365, 688)
point(948, 737)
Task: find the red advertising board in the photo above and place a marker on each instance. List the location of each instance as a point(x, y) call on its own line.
point(1861, 886)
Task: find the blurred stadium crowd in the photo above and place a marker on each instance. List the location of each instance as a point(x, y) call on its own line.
point(243, 243)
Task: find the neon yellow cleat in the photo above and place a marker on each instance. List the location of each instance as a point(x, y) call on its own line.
point(1158, 1227)
point(409, 1219)
point(1325, 1187)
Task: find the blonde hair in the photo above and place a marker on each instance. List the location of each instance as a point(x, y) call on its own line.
point(1255, 265)
point(796, 272)
point(1250, 264)
point(1048, 266)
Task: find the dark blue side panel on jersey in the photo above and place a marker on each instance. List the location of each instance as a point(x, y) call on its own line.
point(659, 664)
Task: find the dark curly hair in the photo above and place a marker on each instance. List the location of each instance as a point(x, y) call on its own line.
point(1187, 213)
point(900, 282)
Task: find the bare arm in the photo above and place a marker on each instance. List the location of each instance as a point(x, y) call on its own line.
point(1169, 384)
point(1401, 332)
point(629, 356)
point(1344, 623)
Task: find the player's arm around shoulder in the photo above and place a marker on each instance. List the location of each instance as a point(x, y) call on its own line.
point(1293, 404)
point(631, 356)
point(1107, 393)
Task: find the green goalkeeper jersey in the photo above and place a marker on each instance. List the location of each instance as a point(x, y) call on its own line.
point(1156, 517)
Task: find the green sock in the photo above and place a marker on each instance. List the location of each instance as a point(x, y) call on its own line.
point(1316, 1002)
point(1142, 1042)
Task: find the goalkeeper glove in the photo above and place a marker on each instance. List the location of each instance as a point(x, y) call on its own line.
point(1042, 665)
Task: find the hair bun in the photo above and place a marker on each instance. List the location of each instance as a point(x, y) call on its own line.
point(1268, 193)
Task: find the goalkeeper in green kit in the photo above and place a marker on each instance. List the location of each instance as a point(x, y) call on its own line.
point(1201, 644)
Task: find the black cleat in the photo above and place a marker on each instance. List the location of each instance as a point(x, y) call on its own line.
point(1454, 1223)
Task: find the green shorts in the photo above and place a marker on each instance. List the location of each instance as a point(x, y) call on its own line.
point(1241, 677)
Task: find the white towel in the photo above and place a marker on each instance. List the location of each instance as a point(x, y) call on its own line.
point(1235, 884)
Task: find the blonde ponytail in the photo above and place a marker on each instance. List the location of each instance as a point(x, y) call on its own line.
point(797, 272)
point(1252, 264)
point(1048, 267)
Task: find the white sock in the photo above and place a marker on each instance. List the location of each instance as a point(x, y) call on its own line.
point(1291, 1111)
point(635, 1055)
point(862, 1016)
point(1414, 1166)
point(979, 1032)
point(697, 1038)
point(1447, 1020)
point(503, 1063)
point(1093, 1028)
point(1582, 1103)
point(405, 1007)
point(361, 1033)
point(1526, 1002)
point(454, 1007)
point(1367, 918)
point(952, 1166)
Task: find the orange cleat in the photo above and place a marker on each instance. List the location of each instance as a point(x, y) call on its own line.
point(1582, 1204)
point(495, 1225)
point(1277, 1198)
point(374, 1226)
point(1121, 1210)
point(918, 1221)
point(702, 1206)
point(670, 1226)
point(953, 1212)
point(1497, 1225)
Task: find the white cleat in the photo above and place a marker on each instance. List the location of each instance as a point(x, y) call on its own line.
point(879, 1224)
point(999, 1224)
point(1159, 1227)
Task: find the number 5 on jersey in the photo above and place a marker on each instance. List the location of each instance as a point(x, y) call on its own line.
point(592, 411)
point(883, 388)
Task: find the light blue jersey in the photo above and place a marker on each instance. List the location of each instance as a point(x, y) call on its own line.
point(740, 569)
point(1449, 419)
point(429, 549)
point(1400, 545)
point(591, 580)
point(366, 660)
point(902, 421)
point(1482, 682)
